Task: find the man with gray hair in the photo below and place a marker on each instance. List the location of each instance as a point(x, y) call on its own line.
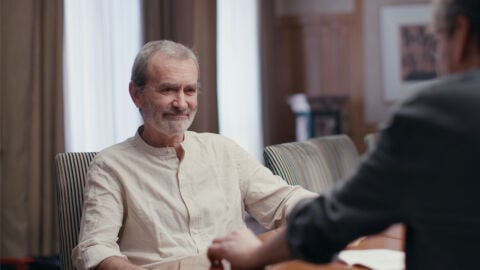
point(167, 192)
point(423, 173)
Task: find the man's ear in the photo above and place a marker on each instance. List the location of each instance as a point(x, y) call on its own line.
point(461, 40)
point(135, 95)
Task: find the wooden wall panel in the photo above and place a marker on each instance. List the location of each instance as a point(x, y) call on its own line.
point(316, 54)
point(277, 118)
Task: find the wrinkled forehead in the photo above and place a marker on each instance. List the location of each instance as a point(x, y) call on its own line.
point(161, 67)
point(160, 58)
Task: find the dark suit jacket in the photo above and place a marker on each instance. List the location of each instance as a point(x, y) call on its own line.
point(424, 172)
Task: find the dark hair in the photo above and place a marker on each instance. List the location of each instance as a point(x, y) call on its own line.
point(469, 8)
point(166, 47)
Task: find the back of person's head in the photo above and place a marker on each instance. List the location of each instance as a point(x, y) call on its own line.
point(451, 9)
point(165, 47)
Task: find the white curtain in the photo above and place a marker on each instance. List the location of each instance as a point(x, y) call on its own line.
point(238, 74)
point(101, 41)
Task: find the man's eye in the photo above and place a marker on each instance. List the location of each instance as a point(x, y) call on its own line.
point(190, 91)
point(167, 89)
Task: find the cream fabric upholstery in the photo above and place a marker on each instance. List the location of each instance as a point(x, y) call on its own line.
point(316, 164)
point(71, 169)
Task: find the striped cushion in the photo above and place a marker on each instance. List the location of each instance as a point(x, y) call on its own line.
point(71, 169)
point(316, 164)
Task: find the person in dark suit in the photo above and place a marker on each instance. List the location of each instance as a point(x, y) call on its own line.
point(423, 173)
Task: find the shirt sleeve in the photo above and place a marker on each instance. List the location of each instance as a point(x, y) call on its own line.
point(267, 197)
point(102, 217)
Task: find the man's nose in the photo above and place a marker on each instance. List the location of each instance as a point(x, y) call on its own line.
point(180, 101)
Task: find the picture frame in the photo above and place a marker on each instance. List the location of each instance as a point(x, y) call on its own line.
point(408, 60)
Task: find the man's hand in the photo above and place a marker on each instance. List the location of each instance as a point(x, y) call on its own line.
point(240, 248)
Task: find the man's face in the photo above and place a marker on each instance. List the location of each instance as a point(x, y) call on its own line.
point(169, 99)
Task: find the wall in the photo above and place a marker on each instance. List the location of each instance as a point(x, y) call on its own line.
point(323, 48)
point(376, 108)
point(301, 7)
point(317, 52)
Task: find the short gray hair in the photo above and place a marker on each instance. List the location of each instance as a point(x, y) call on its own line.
point(165, 47)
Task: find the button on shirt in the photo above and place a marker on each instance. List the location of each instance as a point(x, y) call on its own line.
point(143, 203)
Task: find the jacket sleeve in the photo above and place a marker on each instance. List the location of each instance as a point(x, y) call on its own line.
point(371, 199)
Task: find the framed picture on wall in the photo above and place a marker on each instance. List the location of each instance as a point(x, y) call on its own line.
point(408, 50)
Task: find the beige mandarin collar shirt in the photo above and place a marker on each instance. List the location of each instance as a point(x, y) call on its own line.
point(144, 204)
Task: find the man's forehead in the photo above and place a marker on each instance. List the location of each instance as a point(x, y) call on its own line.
point(175, 84)
point(167, 66)
point(159, 58)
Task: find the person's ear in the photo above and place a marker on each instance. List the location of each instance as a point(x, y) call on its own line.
point(461, 40)
point(136, 95)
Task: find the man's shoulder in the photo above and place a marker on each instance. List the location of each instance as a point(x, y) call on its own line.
point(116, 150)
point(452, 105)
point(211, 142)
point(450, 90)
point(207, 137)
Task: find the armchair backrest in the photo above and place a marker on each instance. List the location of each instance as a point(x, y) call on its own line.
point(316, 164)
point(71, 171)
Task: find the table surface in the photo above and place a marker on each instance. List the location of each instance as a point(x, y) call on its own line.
point(392, 238)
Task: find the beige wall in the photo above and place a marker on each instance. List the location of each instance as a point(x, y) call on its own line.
point(299, 7)
point(376, 108)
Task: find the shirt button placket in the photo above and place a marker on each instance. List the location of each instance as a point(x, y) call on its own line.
point(187, 195)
